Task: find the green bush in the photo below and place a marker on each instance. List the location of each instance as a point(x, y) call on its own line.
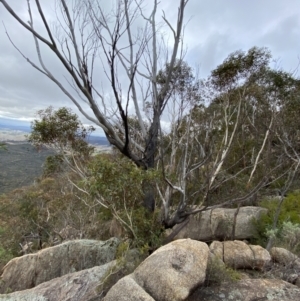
point(3, 146)
point(290, 210)
point(53, 165)
point(111, 187)
point(148, 229)
point(287, 236)
point(117, 184)
point(288, 221)
point(5, 255)
point(217, 272)
point(290, 235)
point(44, 209)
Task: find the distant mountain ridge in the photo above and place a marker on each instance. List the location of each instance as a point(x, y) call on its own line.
point(24, 127)
point(16, 125)
point(15, 128)
point(98, 140)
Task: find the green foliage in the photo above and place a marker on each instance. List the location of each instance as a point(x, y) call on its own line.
point(265, 99)
point(183, 81)
point(5, 254)
point(60, 130)
point(117, 184)
point(45, 209)
point(111, 185)
point(116, 181)
point(148, 229)
point(290, 210)
point(126, 261)
point(217, 272)
point(52, 203)
point(53, 165)
point(122, 249)
point(29, 205)
point(290, 236)
point(288, 222)
point(240, 64)
point(3, 146)
point(287, 236)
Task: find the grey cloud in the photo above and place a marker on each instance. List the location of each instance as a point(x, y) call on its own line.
point(216, 28)
point(221, 27)
point(211, 52)
point(284, 35)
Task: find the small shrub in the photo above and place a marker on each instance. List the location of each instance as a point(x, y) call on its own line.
point(5, 256)
point(287, 231)
point(290, 209)
point(118, 184)
point(3, 146)
point(217, 272)
point(127, 261)
point(290, 235)
point(53, 165)
point(148, 230)
point(287, 236)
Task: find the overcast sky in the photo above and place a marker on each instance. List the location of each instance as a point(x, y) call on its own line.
point(215, 29)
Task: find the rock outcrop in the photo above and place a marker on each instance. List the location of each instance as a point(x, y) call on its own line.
point(169, 274)
point(285, 257)
point(238, 255)
point(218, 224)
point(285, 265)
point(248, 290)
point(127, 289)
point(30, 270)
point(78, 286)
point(183, 270)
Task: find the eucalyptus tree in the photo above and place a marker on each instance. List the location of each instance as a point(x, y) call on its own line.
point(128, 42)
point(234, 141)
point(286, 143)
point(62, 132)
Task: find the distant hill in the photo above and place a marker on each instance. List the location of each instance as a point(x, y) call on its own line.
point(20, 128)
point(16, 125)
point(14, 130)
point(97, 140)
point(20, 165)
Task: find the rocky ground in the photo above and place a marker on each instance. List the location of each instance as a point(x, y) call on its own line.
point(179, 271)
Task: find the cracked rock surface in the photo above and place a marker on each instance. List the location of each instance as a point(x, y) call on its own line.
point(69, 257)
point(239, 255)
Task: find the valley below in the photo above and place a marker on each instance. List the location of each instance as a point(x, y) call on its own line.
point(20, 165)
